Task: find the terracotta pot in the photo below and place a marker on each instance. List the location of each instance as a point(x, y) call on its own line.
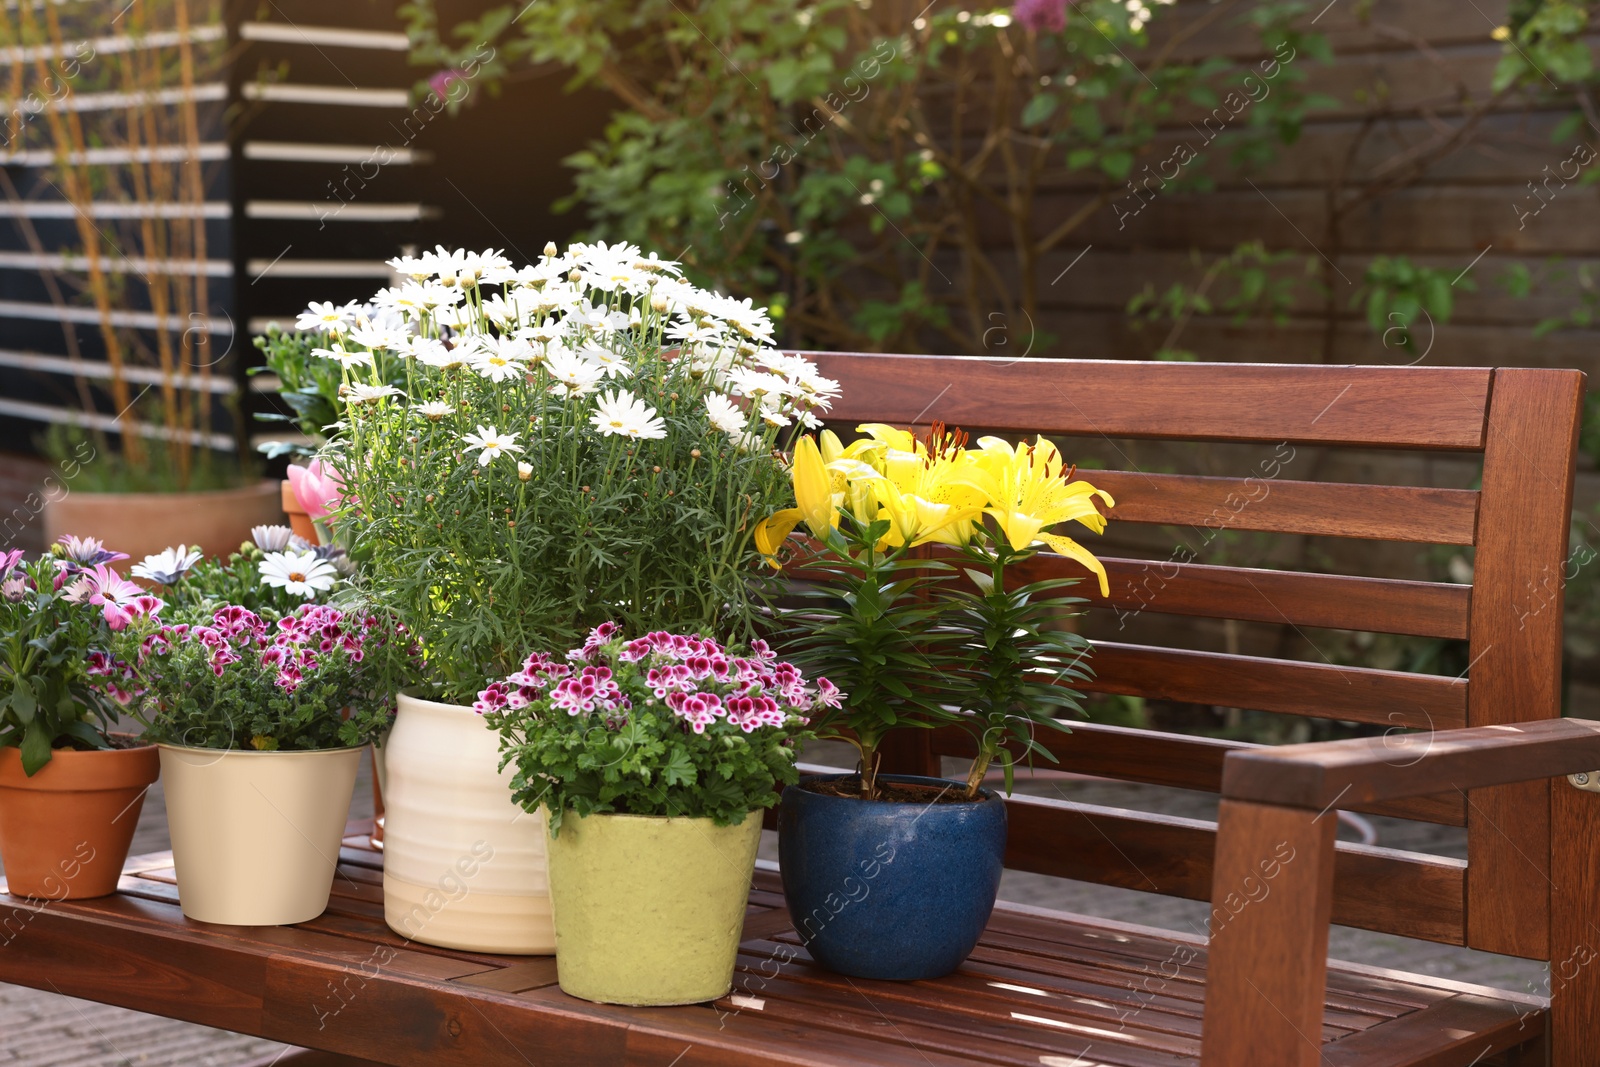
point(463, 866)
point(255, 835)
point(142, 524)
point(65, 832)
point(299, 521)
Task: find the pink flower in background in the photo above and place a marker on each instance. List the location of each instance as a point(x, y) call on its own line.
point(1045, 15)
point(317, 487)
point(440, 81)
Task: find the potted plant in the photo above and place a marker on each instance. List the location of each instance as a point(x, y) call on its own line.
point(913, 645)
point(583, 439)
point(70, 789)
point(654, 757)
point(261, 722)
point(164, 468)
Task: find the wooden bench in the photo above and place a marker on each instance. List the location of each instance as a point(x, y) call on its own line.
point(1058, 990)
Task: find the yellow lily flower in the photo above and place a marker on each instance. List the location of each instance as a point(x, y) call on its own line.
point(813, 487)
point(1027, 493)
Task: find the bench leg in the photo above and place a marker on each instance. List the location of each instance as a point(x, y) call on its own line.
point(1574, 928)
point(1271, 899)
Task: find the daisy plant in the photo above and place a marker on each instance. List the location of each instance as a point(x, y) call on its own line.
point(908, 641)
point(58, 615)
point(524, 452)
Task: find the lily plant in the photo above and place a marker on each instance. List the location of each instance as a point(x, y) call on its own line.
point(938, 637)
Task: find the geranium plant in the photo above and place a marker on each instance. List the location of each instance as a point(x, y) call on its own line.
point(664, 724)
point(910, 644)
point(57, 617)
point(584, 439)
point(243, 681)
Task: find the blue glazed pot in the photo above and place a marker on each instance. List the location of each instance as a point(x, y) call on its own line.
point(892, 890)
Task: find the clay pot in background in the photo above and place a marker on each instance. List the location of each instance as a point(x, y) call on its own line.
point(65, 832)
point(142, 524)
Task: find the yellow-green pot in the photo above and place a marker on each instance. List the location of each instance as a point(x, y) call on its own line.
point(649, 909)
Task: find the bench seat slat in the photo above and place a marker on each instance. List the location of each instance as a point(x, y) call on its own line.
point(1384, 407)
point(1319, 690)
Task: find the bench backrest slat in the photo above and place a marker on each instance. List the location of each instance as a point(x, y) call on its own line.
point(1382, 407)
point(1522, 423)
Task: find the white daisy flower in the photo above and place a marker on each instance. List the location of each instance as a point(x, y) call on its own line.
point(500, 359)
point(326, 317)
point(724, 414)
point(338, 352)
point(613, 363)
point(744, 441)
point(433, 410)
point(438, 356)
point(524, 471)
point(300, 574)
point(492, 443)
point(414, 268)
point(624, 415)
point(167, 566)
point(575, 375)
point(362, 393)
point(375, 337)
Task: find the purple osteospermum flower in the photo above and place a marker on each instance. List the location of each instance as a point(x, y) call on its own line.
point(88, 551)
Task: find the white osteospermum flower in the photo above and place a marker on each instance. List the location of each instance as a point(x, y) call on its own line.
point(624, 415)
point(724, 414)
point(491, 443)
point(575, 375)
point(326, 317)
point(271, 538)
point(433, 410)
point(167, 566)
point(362, 393)
point(300, 574)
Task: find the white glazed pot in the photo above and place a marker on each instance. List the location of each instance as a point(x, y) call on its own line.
point(255, 835)
point(463, 866)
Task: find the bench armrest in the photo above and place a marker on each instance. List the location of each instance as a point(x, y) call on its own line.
point(1272, 880)
point(1366, 769)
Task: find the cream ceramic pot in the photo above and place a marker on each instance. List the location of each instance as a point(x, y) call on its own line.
point(463, 866)
point(255, 835)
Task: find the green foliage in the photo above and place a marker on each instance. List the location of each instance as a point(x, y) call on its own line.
point(801, 148)
point(1250, 283)
point(1020, 663)
point(634, 745)
point(1396, 291)
point(158, 469)
point(244, 681)
point(309, 385)
point(1545, 43)
point(869, 621)
point(48, 698)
